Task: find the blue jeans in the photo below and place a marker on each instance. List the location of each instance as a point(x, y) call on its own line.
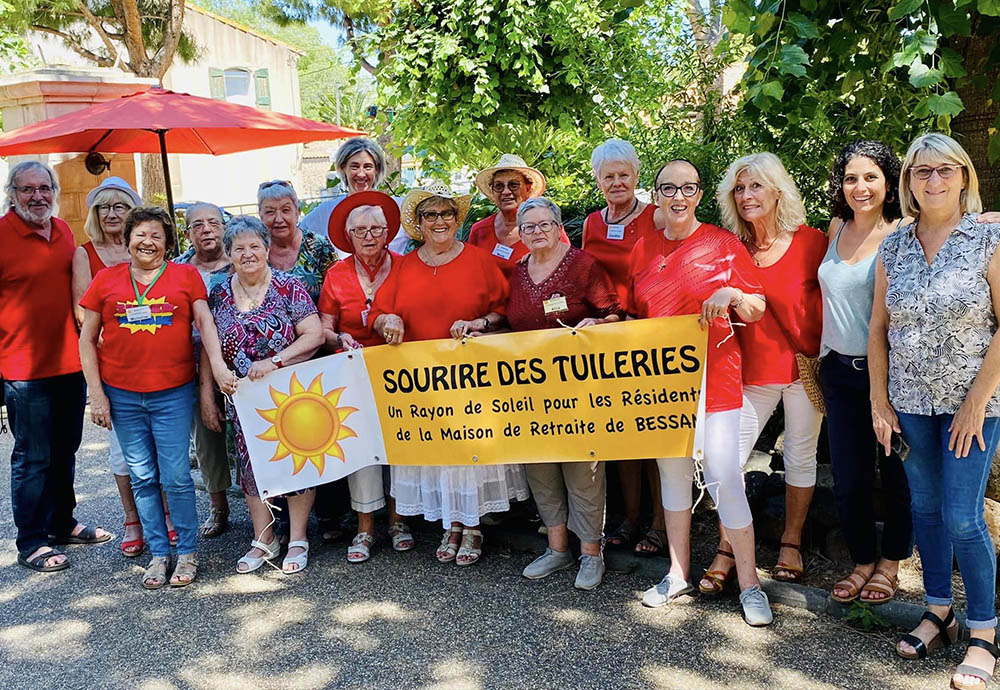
point(154, 430)
point(946, 499)
point(46, 418)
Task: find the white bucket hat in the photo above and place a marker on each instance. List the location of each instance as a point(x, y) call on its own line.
point(114, 183)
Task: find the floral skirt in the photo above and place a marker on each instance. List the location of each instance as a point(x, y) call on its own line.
point(457, 493)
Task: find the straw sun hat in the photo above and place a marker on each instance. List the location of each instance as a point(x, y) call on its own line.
point(408, 208)
point(336, 227)
point(509, 161)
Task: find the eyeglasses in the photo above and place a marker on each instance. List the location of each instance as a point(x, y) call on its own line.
point(945, 172)
point(199, 224)
point(44, 189)
point(545, 226)
point(272, 183)
point(670, 190)
point(119, 209)
point(512, 185)
point(434, 215)
point(375, 231)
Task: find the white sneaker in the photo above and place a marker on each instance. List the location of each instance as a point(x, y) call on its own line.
point(591, 572)
point(548, 563)
point(668, 589)
point(756, 609)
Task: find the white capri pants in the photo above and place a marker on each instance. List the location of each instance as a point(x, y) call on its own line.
point(367, 493)
point(723, 472)
point(115, 456)
point(802, 424)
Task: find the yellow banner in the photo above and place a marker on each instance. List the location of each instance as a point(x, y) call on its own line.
point(609, 392)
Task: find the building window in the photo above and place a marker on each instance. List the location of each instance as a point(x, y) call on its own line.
point(239, 86)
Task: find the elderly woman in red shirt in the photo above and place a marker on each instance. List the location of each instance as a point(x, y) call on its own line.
point(446, 288)
point(609, 234)
point(559, 285)
point(362, 226)
point(762, 205)
point(508, 184)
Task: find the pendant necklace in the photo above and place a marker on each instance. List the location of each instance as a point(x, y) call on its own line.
point(255, 300)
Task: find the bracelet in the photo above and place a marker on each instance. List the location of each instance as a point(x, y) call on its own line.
point(486, 322)
point(739, 302)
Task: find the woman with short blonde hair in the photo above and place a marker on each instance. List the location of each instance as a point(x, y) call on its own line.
point(939, 148)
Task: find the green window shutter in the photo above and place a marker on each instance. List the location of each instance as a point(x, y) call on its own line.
point(217, 83)
point(263, 89)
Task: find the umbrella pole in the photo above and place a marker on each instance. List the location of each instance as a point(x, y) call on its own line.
point(161, 133)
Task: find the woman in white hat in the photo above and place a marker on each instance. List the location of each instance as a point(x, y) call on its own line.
point(108, 205)
point(507, 184)
point(446, 289)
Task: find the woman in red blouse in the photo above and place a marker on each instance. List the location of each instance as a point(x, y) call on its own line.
point(695, 268)
point(609, 236)
point(557, 286)
point(762, 205)
point(507, 184)
point(446, 289)
point(362, 225)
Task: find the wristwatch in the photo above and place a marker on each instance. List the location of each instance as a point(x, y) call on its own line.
point(486, 320)
point(276, 361)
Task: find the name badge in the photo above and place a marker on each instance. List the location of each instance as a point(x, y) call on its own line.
point(616, 231)
point(503, 251)
point(555, 304)
point(364, 316)
point(138, 314)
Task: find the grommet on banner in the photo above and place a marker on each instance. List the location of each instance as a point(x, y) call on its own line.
point(464, 339)
point(475, 458)
point(593, 454)
point(350, 356)
point(572, 330)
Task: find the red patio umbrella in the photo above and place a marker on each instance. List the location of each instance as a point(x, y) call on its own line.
point(157, 120)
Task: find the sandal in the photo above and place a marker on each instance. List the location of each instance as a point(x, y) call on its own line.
point(38, 562)
point(360, 549)
point(852, 585)
point(717, 579)
point(132, 547)
point(216, 523)
point(402, 538)
point(471, 548)
point(186, 570)
point(448, 549)
point(980, 673)
point(792, 573)
point(885, 584)
point(171, 533)
point(624, 535)
point(946, 635)
point(301, 560)
point(252, 563)
point(87, 535)
point(155, 575)
point(653, 543)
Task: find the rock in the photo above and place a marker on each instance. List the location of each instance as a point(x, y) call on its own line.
point(993, 483)
point(991, 510)
point(835, 547)
point(754, 483)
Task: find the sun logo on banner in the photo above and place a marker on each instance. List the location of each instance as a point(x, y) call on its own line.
point(307, 424)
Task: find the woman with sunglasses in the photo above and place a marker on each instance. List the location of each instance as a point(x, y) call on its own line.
point(362, 226)
point(507, 184)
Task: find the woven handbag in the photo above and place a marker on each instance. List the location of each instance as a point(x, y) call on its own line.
point(808, 373)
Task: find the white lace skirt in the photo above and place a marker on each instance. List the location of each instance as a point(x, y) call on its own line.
point(458, 493)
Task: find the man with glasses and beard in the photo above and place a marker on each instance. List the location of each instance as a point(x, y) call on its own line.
point(40, 364)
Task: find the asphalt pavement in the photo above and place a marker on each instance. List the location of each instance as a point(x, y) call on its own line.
point(399, 621)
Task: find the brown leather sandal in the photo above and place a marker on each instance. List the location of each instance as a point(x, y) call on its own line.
point(794, 572)
point(885, 584)
point(717, 578)
point(853, 583)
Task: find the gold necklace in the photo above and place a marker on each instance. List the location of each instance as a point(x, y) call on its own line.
point(255, 301)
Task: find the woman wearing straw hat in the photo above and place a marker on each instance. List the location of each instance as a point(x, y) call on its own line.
point(362, 226)
point(507, 184)
point(446, 288)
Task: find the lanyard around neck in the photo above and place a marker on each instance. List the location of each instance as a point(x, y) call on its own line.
point(139, 298)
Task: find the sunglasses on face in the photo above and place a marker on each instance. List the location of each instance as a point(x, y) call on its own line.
point(512, 185)
point(434, 215)
point(273, 183)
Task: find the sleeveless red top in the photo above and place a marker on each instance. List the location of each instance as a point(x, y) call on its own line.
point(96, 263)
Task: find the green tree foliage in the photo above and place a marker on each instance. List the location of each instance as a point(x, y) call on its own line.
point(823, 72)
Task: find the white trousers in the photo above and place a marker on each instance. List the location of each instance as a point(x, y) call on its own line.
point(802, 424)
point(722, 469)
point(365, 485)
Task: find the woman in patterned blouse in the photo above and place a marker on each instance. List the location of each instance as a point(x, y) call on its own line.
point(934, 363)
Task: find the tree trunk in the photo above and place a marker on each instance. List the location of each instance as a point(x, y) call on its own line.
point(971, 126)
point(154, 189)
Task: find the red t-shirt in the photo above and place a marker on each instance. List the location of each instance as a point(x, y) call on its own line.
point(671, 277)
point(151, 355)
point(483, 235)
point(578, 278)
point(468, 287)
point(794, 303)
point(613, 254)
point(93, 258)
point(343, 298)
point(38, 336)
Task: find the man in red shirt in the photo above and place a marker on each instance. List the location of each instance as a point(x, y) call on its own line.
point(40, 367)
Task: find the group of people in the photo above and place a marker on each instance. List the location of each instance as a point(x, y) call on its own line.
point(885, 323)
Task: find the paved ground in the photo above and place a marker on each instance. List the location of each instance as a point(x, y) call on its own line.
point(400, 621)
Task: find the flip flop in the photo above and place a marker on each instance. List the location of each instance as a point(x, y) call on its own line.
point(38, 562)
point(88, 535)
